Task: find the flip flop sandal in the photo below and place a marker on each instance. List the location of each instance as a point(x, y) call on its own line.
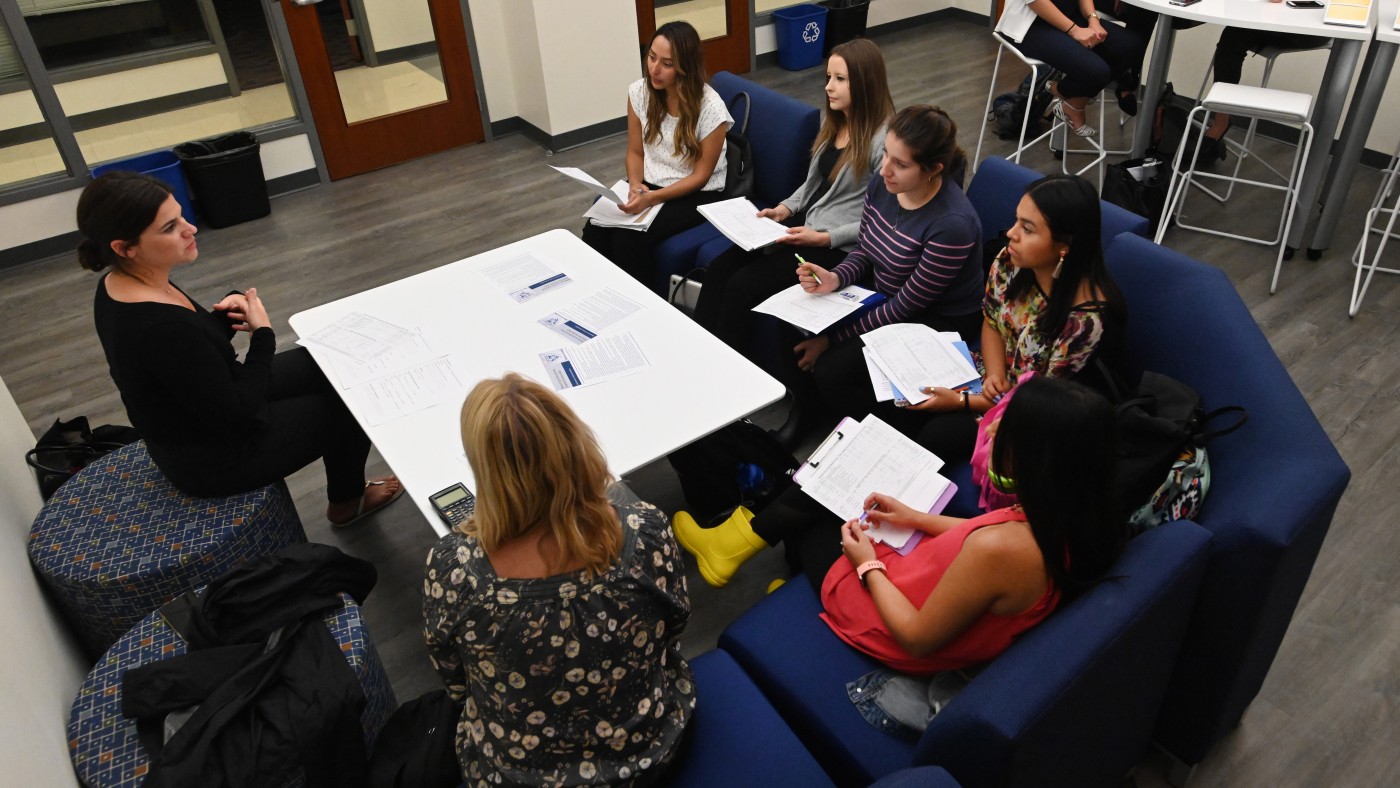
point(362, 512)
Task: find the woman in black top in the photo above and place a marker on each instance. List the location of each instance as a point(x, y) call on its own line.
point(213, 425)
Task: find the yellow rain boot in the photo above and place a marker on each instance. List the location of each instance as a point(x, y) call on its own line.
point(721, 550)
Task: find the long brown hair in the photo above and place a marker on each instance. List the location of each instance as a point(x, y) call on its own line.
point(931, 135)
point(871, 106)
point(689, 59)
point(537, 465)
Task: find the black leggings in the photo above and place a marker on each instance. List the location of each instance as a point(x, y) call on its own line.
point(307, 419)
point(810, 533)
point(631, 250)
point(1237, 42)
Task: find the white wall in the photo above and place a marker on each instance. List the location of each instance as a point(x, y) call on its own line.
point(53, 215)
point(397, 23)
point(41, 666)
point(493, 53)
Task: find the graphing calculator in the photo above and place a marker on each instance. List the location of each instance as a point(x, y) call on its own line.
point(454, 504)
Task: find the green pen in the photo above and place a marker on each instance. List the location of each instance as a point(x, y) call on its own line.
point(815, 278)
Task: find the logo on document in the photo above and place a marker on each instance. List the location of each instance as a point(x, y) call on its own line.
point(550, 358)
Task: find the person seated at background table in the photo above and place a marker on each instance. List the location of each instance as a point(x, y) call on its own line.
point(962, 596)
point(675, 150)
point(214, 426)
point(1050, 307)
point(1068, 35)
point(824, 213)
point(919, 245)
point(1234, 45)
point(553, 616)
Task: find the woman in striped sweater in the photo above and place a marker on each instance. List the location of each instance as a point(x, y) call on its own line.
point(919, 246)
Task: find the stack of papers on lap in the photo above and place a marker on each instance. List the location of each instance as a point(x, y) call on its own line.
point(815, 313)
point(606, 214)
point(1352, 13)
point(913, 356)
point(738, 219)
point(870, 456)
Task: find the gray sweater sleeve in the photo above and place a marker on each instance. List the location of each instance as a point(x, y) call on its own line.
point(838, 211)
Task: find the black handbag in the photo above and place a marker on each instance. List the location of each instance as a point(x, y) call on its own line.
point(1146, 197)
point(738, 176)
point(70, 446)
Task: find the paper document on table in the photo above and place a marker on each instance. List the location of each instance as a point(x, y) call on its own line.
point(360, 337)
point(815, 312)
point(605, 359)
point(409, 391)
point(605, 214)
point(524, 277)
point(585, 320)
point(588, 181)
point(739, 221)
point(1351, 13)
point(417, 348)
point(868, 457)
point(915, 356)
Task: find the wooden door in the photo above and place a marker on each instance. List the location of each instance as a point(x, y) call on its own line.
point(724, 32)
point(393, 84)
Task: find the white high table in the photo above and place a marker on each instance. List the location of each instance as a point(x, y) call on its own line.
point(695, 385)
point(1277, 17)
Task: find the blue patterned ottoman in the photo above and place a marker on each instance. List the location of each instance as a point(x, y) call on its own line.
point(118, 541)
point(105, 746)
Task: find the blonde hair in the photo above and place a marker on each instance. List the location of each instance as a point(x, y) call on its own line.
point(538, 465)
point(871, 107)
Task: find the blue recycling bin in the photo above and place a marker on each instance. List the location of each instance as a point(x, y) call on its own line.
point(162, 164)
point(800, 30)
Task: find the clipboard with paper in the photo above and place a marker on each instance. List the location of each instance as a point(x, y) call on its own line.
point(861, 457)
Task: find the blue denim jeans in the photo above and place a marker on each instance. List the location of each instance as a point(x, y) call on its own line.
point(903, 705)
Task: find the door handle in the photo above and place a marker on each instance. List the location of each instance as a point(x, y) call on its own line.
point(305, 2)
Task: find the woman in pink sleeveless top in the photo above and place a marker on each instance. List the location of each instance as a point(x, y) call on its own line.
point(969, 587)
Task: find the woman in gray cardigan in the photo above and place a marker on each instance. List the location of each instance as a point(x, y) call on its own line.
point(823, 215)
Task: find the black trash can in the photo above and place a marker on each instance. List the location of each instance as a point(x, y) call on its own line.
point(845, 21)
point(226, 176)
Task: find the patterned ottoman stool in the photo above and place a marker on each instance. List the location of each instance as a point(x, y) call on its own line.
point(118, 541)
point(105, 746)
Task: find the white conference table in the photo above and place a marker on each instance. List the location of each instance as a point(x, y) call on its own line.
point(1276, 17)
point(695, 384)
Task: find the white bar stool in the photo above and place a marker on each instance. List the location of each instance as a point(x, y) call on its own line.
point(1245, 149)
point(1037, 68)
point(1367, 268)
point(1281, 106)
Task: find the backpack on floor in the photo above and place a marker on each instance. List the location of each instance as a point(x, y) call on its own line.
point(1009, 108)
point(738, 465)
point(1162, 434)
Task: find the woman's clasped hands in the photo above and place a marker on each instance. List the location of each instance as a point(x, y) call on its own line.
point(244, 310)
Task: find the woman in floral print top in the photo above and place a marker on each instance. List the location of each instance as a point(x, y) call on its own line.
point(1050, 308)
point(555, 618)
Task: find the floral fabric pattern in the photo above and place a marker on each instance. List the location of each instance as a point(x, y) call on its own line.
point(564, 680)
point(1017, 322)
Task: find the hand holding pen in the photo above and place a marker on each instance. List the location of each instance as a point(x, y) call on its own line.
point(814, 278)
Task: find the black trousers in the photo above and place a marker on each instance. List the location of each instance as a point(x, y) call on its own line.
point(307, 420)
point(1087, 71)
point(1237, 42)
point(737, 281)
point(808, 531)
point(631, 250)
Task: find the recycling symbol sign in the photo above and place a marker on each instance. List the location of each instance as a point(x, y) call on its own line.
point(811, 32)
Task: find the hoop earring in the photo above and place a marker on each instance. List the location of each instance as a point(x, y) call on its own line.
point(1060, 266)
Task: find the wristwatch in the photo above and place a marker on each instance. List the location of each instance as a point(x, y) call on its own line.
point(869, 566)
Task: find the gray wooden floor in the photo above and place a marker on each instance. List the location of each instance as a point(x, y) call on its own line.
point(1327, 714)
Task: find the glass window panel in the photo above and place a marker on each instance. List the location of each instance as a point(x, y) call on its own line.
point(173, 71)
point(710, 18)
point(384, 53)
point(768, 6)
point(27, 149)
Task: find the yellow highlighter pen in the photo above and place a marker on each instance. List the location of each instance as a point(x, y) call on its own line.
point(815, 278)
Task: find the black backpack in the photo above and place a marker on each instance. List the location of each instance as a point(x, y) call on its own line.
point(1157, 423)
point(1009, 108)
point(738, 177)
point(418, 746)
point(738, 465)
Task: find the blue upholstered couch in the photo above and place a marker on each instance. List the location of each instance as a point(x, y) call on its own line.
point(781, 130)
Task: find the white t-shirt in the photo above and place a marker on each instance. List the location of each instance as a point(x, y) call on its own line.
point(661, 165)
point(1016, 19)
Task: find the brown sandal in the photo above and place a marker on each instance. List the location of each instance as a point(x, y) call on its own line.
point(361, 511)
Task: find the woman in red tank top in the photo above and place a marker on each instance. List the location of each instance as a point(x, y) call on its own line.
point(961, 597)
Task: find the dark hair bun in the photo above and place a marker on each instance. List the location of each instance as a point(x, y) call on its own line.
point(90, 256)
